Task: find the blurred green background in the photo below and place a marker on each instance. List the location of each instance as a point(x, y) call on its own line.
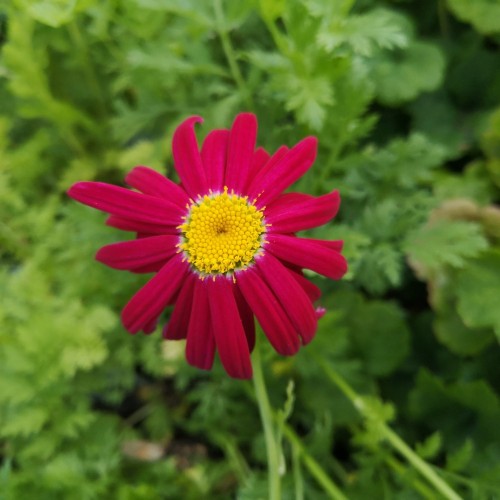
point(404, 96)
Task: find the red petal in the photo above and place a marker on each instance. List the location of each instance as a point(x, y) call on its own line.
point(176, 328)
point(269, 311)
point(151, 299)
point(240, 153)
point(316, 255)
point(246, 316)
point(151, 326)
point(277, 177)
point(291, 295)
point(287, 200)
point(260, 158)
point(139, 227)
point(312, 291)
point(187, 158)
point(125, 203)
point(228, 329)
point(151, 182)
point(268, 166)
point(214, 156)
point(135, 254)
point(336, 245)
point(200, 345)
point(308, 213)
point(150, 268)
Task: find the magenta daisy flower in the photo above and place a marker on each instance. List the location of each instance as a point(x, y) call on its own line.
point(222, 244)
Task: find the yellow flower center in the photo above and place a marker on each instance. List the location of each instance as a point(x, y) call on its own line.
point(221, 233)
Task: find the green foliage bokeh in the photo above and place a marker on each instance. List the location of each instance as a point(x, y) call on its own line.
point(404, 97)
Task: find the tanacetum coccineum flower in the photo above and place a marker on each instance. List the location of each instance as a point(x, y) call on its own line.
point(222, 244)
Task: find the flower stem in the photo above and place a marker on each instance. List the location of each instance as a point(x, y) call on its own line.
point(312, 465)
point(266, 416)
point(390, 436)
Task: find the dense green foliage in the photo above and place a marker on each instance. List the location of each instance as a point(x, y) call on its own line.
point(404, 97)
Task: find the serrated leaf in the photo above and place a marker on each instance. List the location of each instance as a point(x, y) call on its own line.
point(377, 413)
point(478, 292)
point(380, 28)
point(379, 268)
point(309, 99)
point(27, 420)
point(445, 243)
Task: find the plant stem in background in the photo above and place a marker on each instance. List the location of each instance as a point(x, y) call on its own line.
point(390, 436)
point(266, 416)
point(312, 465)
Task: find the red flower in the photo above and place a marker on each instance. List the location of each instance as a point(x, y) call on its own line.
point(222, 244)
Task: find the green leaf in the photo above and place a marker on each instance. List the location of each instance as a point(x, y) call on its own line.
point(309, 98)
point(377, 414)
point(26, 421)
point(402, 75)
point(459, 459)
point(379, 28)
point(429, 448)
point(271, 9)
point(445, 243)
point(478, 292)
point(464, 341)
point(484, 15)
point(375, 326)
point(379, 268)
point(53, 13)
point(436, 401)
point(372, 326)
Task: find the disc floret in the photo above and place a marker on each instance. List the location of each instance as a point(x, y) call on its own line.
point(222, 232)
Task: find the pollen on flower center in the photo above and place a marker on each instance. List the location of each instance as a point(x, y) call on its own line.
point(222, 232)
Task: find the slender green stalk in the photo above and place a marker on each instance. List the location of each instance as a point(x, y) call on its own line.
point(277, 37)
point(391, 437)
point(229, 53)
point(298, 481)
point(266, 416)
point(422, 488)
point(314, 468)
point(423, 467)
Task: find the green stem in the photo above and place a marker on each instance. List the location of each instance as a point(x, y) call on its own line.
point(277, 37)
point(390, 436)
point(298, 481)
point(266, 416)
point(314, 468)
point(229, 53)
point(415, 482)
point(419, 464)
